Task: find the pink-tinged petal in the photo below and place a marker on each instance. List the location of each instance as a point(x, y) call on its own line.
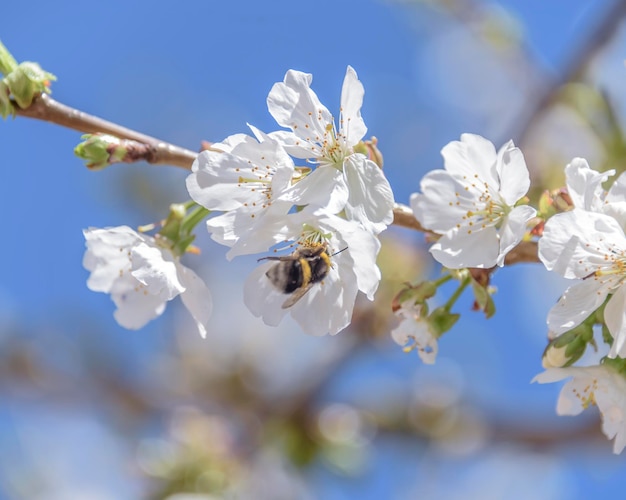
point(615, 319)
point(584, 184)
point(135, 308)
point(472, 155)
point(371, 199)
point(457, 249)
point(294, 105)
point(576, 304)
point(352, 125)
point(513, 229)
point(156, 270)
point(443, 202)
point(196, 297)
point(513, 173)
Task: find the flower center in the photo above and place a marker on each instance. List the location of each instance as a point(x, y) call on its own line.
point(334, 148)
point(587, 396)
point(484, 205)
point(615, 268)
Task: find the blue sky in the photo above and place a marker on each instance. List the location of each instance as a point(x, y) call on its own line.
point(202, 70)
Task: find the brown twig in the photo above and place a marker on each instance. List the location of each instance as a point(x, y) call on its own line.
point(160, 152)
point(47, 109)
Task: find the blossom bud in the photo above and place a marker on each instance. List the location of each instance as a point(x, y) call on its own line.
point(370, 149)
point(567, 348)
point(100, 150)
point(7, 61)
point(27, 81)
point(6, 106)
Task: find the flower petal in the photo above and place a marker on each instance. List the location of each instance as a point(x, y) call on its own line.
point(457, 249)
point(324, 187)
point(196, 297)
point(584, 184)
point(371, 199)
point(471, 155)
point(442, 204)
point(513, 173)
point(576, 304)
point(352, 125)
point(156, 270)
point(576, 243)
point(294, 105)
point(513, 229)
point(615, 319)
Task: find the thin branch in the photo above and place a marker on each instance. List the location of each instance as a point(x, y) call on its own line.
point(163, 153)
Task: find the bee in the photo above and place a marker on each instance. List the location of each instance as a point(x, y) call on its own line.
point(295, 274)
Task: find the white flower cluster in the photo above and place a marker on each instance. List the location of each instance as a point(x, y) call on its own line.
point(588, 243)
point(473, 207)
point(308, 188)
point(311, 189)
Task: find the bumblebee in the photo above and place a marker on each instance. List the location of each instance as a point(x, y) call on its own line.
point(295, 274)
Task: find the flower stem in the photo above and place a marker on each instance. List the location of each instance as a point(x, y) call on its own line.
point(457, 293)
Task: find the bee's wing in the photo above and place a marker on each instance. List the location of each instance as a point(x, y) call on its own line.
point(296, 296)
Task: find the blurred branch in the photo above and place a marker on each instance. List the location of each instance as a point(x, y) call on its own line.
point(597, 38)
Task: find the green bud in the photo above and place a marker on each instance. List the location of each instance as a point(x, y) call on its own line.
point(7, 61)
point(27, 81)
point(178, 228)
point(6, 106)
point(441, 320)
point(100, 150)
point(567, 348)
point(370, 149)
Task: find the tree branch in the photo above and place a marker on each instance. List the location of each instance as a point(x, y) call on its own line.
point(47, 109)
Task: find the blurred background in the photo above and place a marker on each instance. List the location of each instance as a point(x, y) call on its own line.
point(90, 411)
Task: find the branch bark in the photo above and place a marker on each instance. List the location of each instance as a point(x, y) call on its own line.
point(47, 109)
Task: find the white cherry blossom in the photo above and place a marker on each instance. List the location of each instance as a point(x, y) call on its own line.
point(414, 333)
point(584, 186)
point(315, 137)
point(591, 247)
point(141, 277)
point(243, 178)
point(327, 306)
point(471, 203)
point(593, 385)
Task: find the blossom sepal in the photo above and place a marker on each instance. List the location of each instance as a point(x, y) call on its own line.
point(442, 320)
point(417, 294)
